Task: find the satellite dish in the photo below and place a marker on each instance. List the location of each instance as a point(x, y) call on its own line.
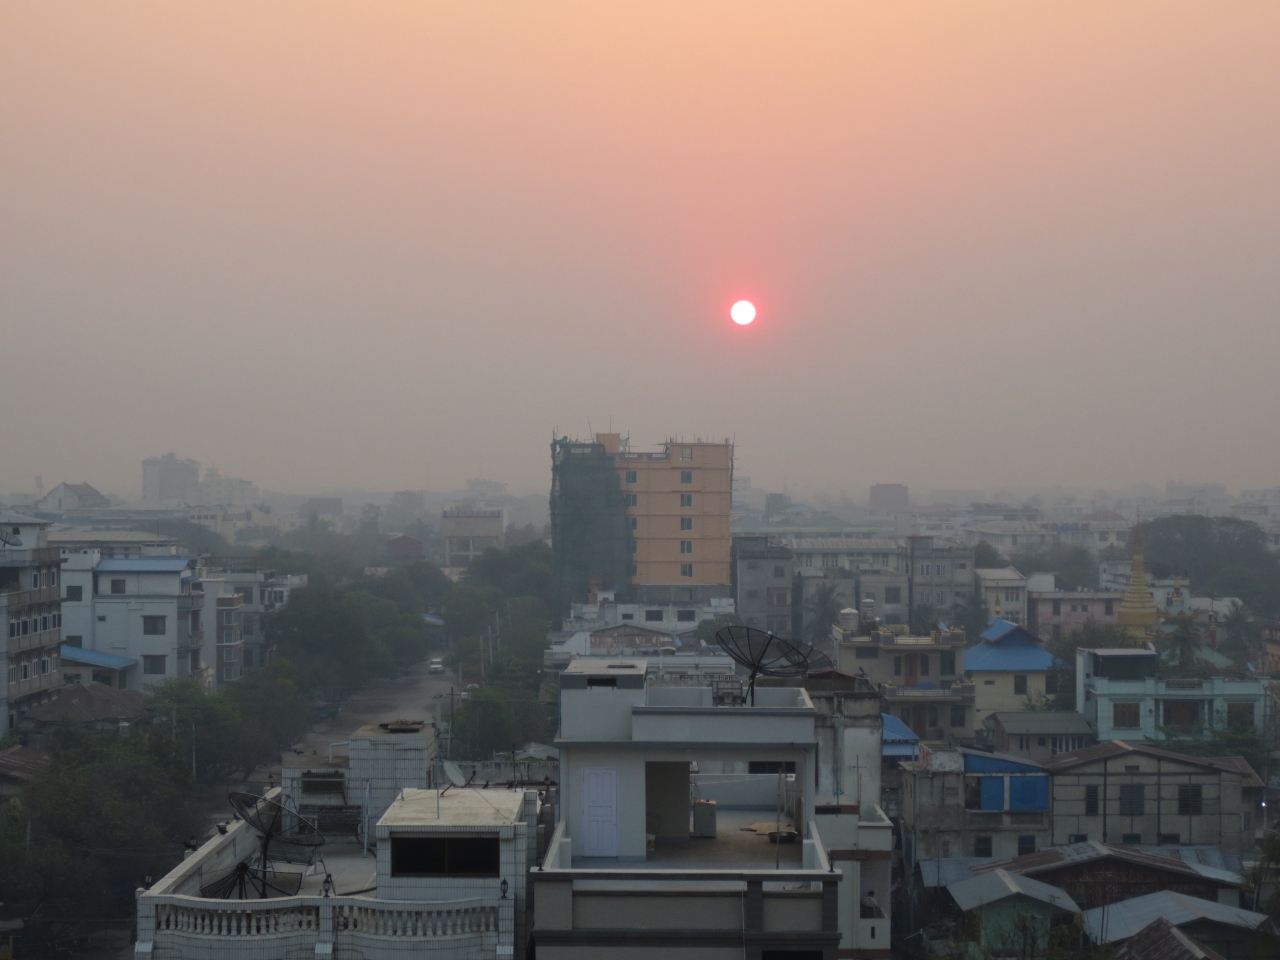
point(764, 654)
point(296, 839)
point(11, 539)
point(454, 773)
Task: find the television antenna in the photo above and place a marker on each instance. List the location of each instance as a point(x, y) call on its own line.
point(295, 838)
point(10, 539)
point(763, 654)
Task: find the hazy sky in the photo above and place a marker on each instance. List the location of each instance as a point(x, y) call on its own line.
point(395, 245)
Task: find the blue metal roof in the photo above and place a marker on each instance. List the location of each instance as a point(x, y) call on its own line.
point(895, 729)
point(897, 741)
point(1007, 647)
point(110, 661)
point(143, 564)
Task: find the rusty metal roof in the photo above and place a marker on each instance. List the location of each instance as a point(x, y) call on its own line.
point(1116, 748)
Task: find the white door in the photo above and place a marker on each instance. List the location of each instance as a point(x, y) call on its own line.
point(600, 812)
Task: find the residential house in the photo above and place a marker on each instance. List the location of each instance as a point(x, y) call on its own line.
point(92, 705)
point(627, 745)
point(1010, 671)
point(1057, 613)
point(468, 531)
point(962, 803)
point(1096, 874)
point(1037, 734)
point(264, 592)
point(1136, 794)
point(762, 581)
point(405, 547)
point(1125, 695)
point(18, 765)
point(93, 666)
point(1004, 590)
point(31, 608)
point(1225, 929)
point(940, 571)
point(1007, 914)
point(922, 679)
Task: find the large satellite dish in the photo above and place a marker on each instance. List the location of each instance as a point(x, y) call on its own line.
point(284, 836)
point(11, 539)
point(763, 654)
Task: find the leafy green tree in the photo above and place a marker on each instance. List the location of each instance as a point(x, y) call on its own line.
point(972, 615)
point(326, 641)
point(1242, 633)
point(1074, 566)
point(521, 571)
point(1091, 636)
point(987, 557)
point(470, 609)
point(824, 609)
point(492, 721)
point(1222, 556)
point(1184, 642)
point(924, 619)
point(706, 629)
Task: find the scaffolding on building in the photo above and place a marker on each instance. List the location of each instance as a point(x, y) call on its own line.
point(590, 534)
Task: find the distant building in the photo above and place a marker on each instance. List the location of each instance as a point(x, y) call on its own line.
point(678, 502)
point(1036, 734)
point(405, 547)
point(226, 491)
point(468, 532)
point(326, 508)
point(31, 608)
point(762, 581)
point(890, 498)
point(1058, 613)
point(1004, 590)
point(112, 543)
point(168, 478)
point(70, 497)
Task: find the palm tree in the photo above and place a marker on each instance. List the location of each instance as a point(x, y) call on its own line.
point(1242, 632)
point(972, 615)
point(1184, 641)
point(825, 607)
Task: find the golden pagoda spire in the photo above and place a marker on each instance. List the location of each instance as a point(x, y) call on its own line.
point(1138, 612)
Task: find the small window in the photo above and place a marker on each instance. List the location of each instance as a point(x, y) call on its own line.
point(957, 716)
point(686, 476)
point(117, 586)
point(75, 593)
point(686, 523)
point(1132, 839)
point(686, 569)
point(868, 652)
point(1078, 838)
point(1109, 607)
point(686, 499)
point(892, 595)
point(153, 665)
point(153, 626)
point(633, 500)
point(231, 654)
point(1091, 801)
point(924, 664)
point(632, 476)
point(1057, 608)
point(1020, 684)
point(947, 663)
point(779, 572)
point(602, 681)
point(653, 616)
point(1026, 844)
point(1190, 799)
point(686, 453)
point(897, 666)
point(1240, 716)
point(1133, 800)
point(634, 546)
point(686, 546)
point(982, 846)
point(1169, 839)
point(1125, 716)
point(1051, 682)
point(444, 856)
point(632, 522)
point(686, 616)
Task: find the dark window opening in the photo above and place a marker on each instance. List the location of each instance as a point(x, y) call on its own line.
point(1169, 839)
point(602, 681)
point(1026, 844)
point(1133, 800)
point(771, 766)
point(444, 856)
point(75, 593)
point(1091, 801)
point(1190, 800)
point(982, 846)
point(117, 586)
point(1134, 839)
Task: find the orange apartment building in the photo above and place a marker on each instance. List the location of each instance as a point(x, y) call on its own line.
point(678, 509)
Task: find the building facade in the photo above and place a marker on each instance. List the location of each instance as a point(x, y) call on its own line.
point(1004, 590)
point(1057, 613)
point(469, 531)
point(168, 478)
point(31, 611)
point(1010, 671)
point(762, 584)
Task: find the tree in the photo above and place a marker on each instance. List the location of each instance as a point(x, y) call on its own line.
point(1184, 642)
point(824, 607)
point(987, 557)
point(707, 629)
point(327, 643)
point(972, 615)
point(1221, 555)
point(1090, 636)
point(1075, 566)
point(1242, 633)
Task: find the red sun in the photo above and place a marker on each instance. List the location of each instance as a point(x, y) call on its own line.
point(743, 312)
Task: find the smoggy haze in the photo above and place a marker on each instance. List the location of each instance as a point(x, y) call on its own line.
point(393, 246)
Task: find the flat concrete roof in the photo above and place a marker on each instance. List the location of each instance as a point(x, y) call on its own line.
point(459, 807)
point(601, 666)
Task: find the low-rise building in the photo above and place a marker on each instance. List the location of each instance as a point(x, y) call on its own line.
point(922, 679)
point(1057, 613)
point(31, 611)
point(1228, 930)
point(70, 498)
point(1010, 671)
point(1125, 695)
point(762, 575)
point(1037, 734)
point(112, 543)
point(1135, 794)
point(1008, 914)
point(1004, 590)
point(469, 531)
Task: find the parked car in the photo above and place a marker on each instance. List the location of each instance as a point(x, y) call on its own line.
point(435, 665)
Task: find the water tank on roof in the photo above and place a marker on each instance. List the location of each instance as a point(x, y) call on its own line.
point(848, 619)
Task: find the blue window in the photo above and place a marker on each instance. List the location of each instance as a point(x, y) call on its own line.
point(993, 793)
point(1029, 793)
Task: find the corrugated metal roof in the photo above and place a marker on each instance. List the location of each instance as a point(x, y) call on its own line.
point(1120, 921)
point(1043, 722)
point(144, 564)
point(1116, 748)
point(96, 658)
point(1000, 885)
point(997, 628)
point(895, 729)
point(1048, 860)
point(1006, 646)
point(1161, 940)
point(944, 871)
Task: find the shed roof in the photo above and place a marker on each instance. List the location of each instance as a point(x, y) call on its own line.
point(1000, 885)
point(1120, 921)
point(22, 763)
point(91, 702)
point(1042, 722)
point(96, 658)
point(1055, 858)
point(944, 871)
point(1161, 940)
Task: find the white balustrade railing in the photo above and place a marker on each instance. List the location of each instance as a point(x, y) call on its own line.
point(390, 919)
point(236, 919)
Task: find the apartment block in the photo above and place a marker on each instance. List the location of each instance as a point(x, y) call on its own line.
point(678, 501)
point(31, 610)
point(469, 531)
point(762, 584)
point(1058, 613)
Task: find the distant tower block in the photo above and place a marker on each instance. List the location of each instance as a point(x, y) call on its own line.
point(890, 498)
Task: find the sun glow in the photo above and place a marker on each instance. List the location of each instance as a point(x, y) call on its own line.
point(743, 312)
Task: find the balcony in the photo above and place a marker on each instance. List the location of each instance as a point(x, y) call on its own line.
point(43, 638)
point(37, 684)
point(15, 599)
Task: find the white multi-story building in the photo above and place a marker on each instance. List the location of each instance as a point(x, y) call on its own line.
point(149, 609)
point(31, 611)
point(1004, 590)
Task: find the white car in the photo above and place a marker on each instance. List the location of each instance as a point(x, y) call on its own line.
point(435, 665)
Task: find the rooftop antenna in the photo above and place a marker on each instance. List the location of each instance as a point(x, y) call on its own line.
point(763, 654)
point(275, 824)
